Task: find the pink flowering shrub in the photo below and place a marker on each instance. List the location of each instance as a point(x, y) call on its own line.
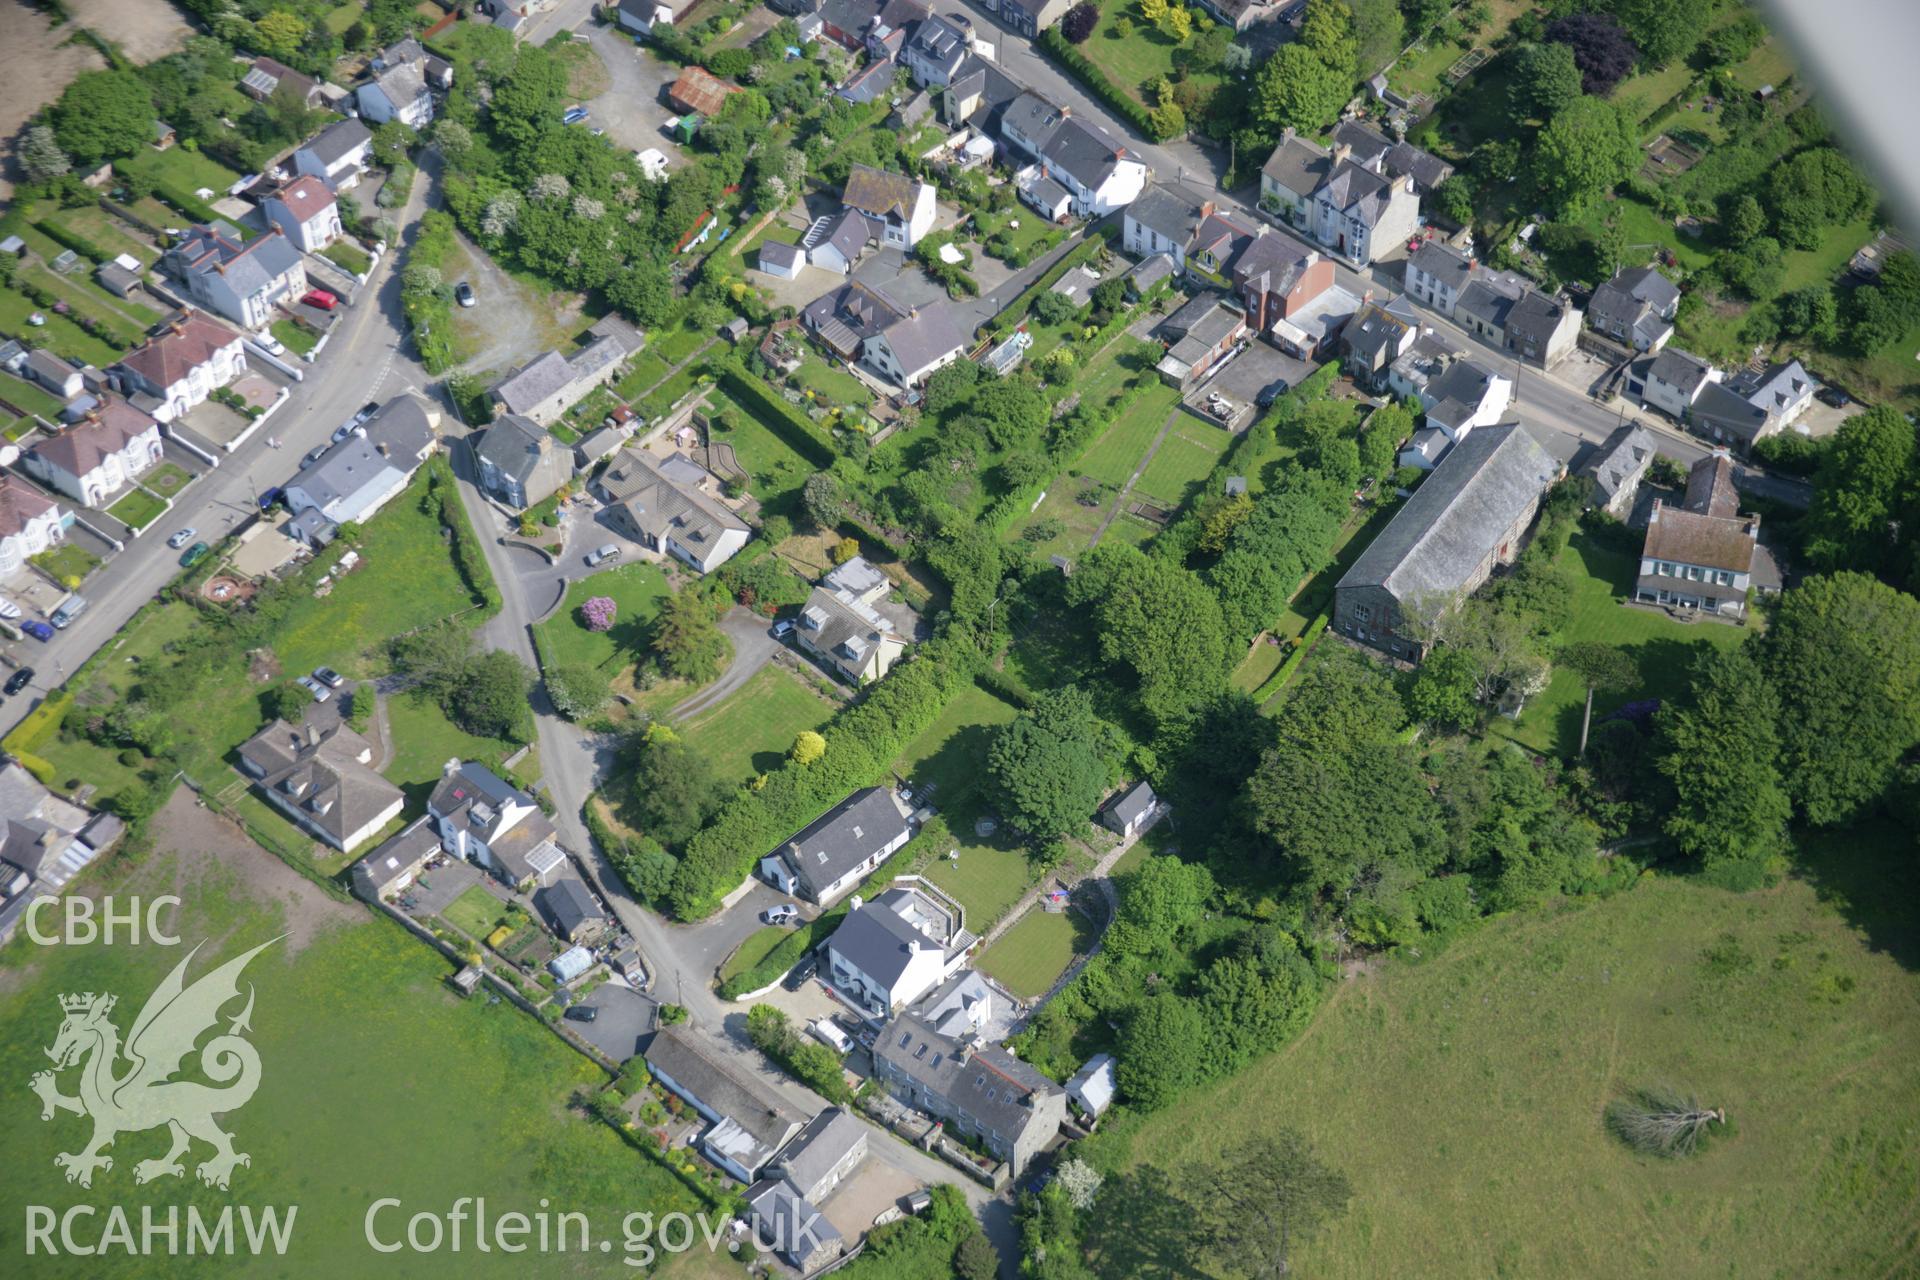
point(598, 613)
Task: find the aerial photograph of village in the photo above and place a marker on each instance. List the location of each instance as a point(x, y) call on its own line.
point(959, 639)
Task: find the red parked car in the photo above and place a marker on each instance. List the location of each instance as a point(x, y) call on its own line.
point(321, 298)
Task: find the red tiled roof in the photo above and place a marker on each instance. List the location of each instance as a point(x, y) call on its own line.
point(79, 448)
point(1692, 537)
point(305, 196)
point(191, 343)
point(20, 503)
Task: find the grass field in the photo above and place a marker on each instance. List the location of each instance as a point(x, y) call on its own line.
point(1118, 451)
point(376, 1081)
point(833, 384)
point(1186, 458)
point(105, 231)
point(1262, 660)
point(349, 257)
point(475, 913)
point(1140, 59)
point(637, 590)
point(192, 170)
point(1462, 1094)
point(61, 335)
point(751, 731)
point(23, 395)
point(1662, 648)
point(138, 509)
point(775, 467)
point(1037, 950)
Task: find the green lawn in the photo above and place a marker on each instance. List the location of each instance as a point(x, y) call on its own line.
point(1646, 229)
point(952, 751)
point(753, 950)
point(1461, 1094)
point(126, 321)
point(475, 913)
point(1662, 648)
point(349, 257)
point(102, 229)
point(167, 479)
point(643, 371)
point(376, 1080)
point(637, 590)
point(61, 335)
point(338, 20)
point(833, 384)
point(776, 467)
point(69, 562)
point(192, 170)
point(749, 733)
point(1186, 458)
point(1113, 456)
point(138, 509)
point(1028, 957)
point(1262, 661)
point(23, 395)
point(424, 740)
point(1137, 61)
point(989, 875)
point(297, 338)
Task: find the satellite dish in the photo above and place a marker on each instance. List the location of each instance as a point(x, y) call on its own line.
point(9, 454)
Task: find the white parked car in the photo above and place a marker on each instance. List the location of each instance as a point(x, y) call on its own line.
point(319, 691)
point(182, 537)
point(785, 913)
point(602, 554)
point(270, 344)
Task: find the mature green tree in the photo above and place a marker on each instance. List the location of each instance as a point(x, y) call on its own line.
point(1158, 901)
point(1601, 668)
point(1810, 312)
point(1050, 764)
point(1453, 199)
point(974, 1257)
point(1327, 29)
point(1379, 32)
point(1342, 699)
point(1259, 1201)
point(1284, 537)
point(1158, 620)
point(41, 156)
point(103, 115)
point(433, 659)
point(1814, 190)
point(287, 702)
point(687, 639)
point(1253, 1010)
point(1585, 151)
point(670, 785)
point(491, 698)
point(1664, 29)
point(1757, 269)
point(1163, 1051)
point(1868, 478)
point(1332, 813)
point(1744, 219)
point(1544, 81)
point(1442, 690)
point(1298, 89)
point(821, 499)
point(1722, 750)
point(1380, 442)
point(1844, 653)
point(578, 690)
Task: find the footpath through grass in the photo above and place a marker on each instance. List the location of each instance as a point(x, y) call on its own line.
point(1462, 1094)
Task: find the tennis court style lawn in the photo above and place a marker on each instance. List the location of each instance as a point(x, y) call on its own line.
point(752, 730)
point(1028, 957)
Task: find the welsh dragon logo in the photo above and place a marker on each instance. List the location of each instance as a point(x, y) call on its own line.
point(144, 1095)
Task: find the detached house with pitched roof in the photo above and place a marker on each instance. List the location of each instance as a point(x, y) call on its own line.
point(888, 953)
point(1699, 555)
point(321, 776)
point(1671, 381)
point(899, 207)
point(169, 374)
point(306, 212)
point(1635, 308)
point(1102, 173)
point(493, 824)
point(910, 348)
point(848, 635)
point(550, 384)
point(243, 281)
point(1753, 403)
point(1469, 516)
point(337, 155)
point(825, 859)
point(1355, 206)
point(669, 508)
point(520, 462)
point(94, 459)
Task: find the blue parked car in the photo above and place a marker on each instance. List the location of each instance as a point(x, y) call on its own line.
point(270, 497)
point(37, 629)
point(574, 115)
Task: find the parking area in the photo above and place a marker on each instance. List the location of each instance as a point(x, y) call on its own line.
point(435, 890)
point(622, 1017)
point(634, 109)
point(871, 1190)
point(1248, 374)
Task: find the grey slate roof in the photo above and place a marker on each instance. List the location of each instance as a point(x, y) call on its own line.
point(1535, 316)
point(920, 338)
point(1093, 1085)
point(826, 1140)
point(989, 1084)
point(754, 1122)
point(881, 942)
point(1680, 369)
point(1449, 525)
point(1623, 458)
point(248, 268)
point(848, 315)
point(1366, 143)
point(319, 772)
point(395, 856)
point(534, 382)
point(1489, 299)
point(1631, 290)
point(1151, 271)
point(1134, 804)
point(513, 444)
point(343, 473)
point(403, 429)
point(781, 254)
point(788, 1224)
point(658, 505)
point(837, 623)
point(1086, 151)
point(843, 837)
point(1297, 165)
point(1773, 388)
point(338, 140)
point(1720, 405)
point(1171, 211)
point(568, 905)
point(1446, 264)
point(957, 1007)
point(941, 42)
